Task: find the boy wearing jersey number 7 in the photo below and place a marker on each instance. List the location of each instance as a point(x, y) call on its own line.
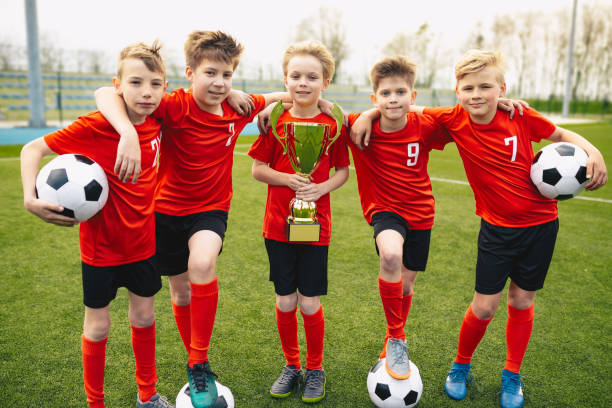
point(194, 190)
point(396, 196)
point(518, 226)
point(118, 244)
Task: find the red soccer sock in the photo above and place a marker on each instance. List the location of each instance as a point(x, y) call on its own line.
point(472, 330)
point(143, 344)
point(518, 332)
point(94, 356)
point(406, 303)
point(391, 296)
point(182, 315)
point(288, 332)
point(204, 299)
point(314, 326)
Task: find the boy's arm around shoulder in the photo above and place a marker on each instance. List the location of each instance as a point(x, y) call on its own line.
point(596, 166)
point(31, 155)
point(112, 107)
point(361, 129)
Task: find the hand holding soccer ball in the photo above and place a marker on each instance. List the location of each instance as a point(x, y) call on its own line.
point(76, 183)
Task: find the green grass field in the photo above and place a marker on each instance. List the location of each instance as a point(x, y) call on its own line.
point(567, 363)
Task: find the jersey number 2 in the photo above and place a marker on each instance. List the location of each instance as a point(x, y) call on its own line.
point(155, 148)
point(232, 134)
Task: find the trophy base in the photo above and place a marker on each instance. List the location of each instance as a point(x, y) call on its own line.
point(310, 232)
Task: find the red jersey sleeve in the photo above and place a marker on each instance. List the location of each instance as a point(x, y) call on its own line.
point(124, 230)
point(172, 108)
point(537, 125)
point(352, 117)
point(339, 156)
point(261, 149)
point(434, 134)
point(444, 115)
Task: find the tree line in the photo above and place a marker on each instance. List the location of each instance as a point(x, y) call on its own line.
point(535, 46)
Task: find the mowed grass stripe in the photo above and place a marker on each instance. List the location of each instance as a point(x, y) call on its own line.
point(465, 183)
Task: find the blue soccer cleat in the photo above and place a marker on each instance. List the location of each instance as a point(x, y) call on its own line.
point(456, 381)
point(511, 390)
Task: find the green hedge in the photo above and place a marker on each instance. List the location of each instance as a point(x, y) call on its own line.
point(576, 106)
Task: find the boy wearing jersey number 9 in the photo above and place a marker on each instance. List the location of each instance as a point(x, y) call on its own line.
point(518, 226)
point(396, 196)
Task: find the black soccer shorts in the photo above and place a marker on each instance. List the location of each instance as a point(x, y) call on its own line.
point(172, 235)
point(523, 254)
point(300, 267)
point(416, 242)
point(100, 283)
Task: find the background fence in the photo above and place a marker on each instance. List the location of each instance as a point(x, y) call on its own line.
point(67, 95)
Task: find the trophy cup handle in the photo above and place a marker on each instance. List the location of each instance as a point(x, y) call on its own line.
point(339, 117)
point(276, 112)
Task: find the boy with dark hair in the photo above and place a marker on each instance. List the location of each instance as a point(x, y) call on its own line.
point(396, 196)
point(194, 190)
point(518, 226)
point(118, 244)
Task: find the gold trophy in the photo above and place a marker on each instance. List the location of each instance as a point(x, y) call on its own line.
point(305, 143)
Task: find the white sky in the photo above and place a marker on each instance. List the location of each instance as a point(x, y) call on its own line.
point(263, 27)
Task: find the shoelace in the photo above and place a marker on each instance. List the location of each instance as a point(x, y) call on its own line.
point(287, 376)
point(159, 401)
point(512, 384)
point(397, 352)
point(314, 379)
point(200, 372)
point(461, 374)
point(164, 402)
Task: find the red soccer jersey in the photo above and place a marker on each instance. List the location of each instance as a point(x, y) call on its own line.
point(497, 158)
point(268, 150)
point(392, 170)
point(124, 231)
point(197, 153)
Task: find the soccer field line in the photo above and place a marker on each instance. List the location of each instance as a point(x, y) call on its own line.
point(465, 183)
point(443, 180)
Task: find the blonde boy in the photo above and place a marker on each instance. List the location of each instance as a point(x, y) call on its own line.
point(117, 245)
point(299, 270)
point(194, 189)
point(396, 196)
point(518, 227)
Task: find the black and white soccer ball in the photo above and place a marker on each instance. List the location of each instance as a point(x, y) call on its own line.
point(75, 182)
point(559, 170)
point(224, 400)
point(387, 392)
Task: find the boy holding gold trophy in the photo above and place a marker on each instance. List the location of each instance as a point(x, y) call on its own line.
point(295, 158)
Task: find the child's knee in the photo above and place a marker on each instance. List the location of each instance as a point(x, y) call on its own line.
point(390, 260)
point(287, 303)
point(309, 305)
point(484, 311)
point(180, 289)
point(96, 329)
point(141, 317)
point(201, 267)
